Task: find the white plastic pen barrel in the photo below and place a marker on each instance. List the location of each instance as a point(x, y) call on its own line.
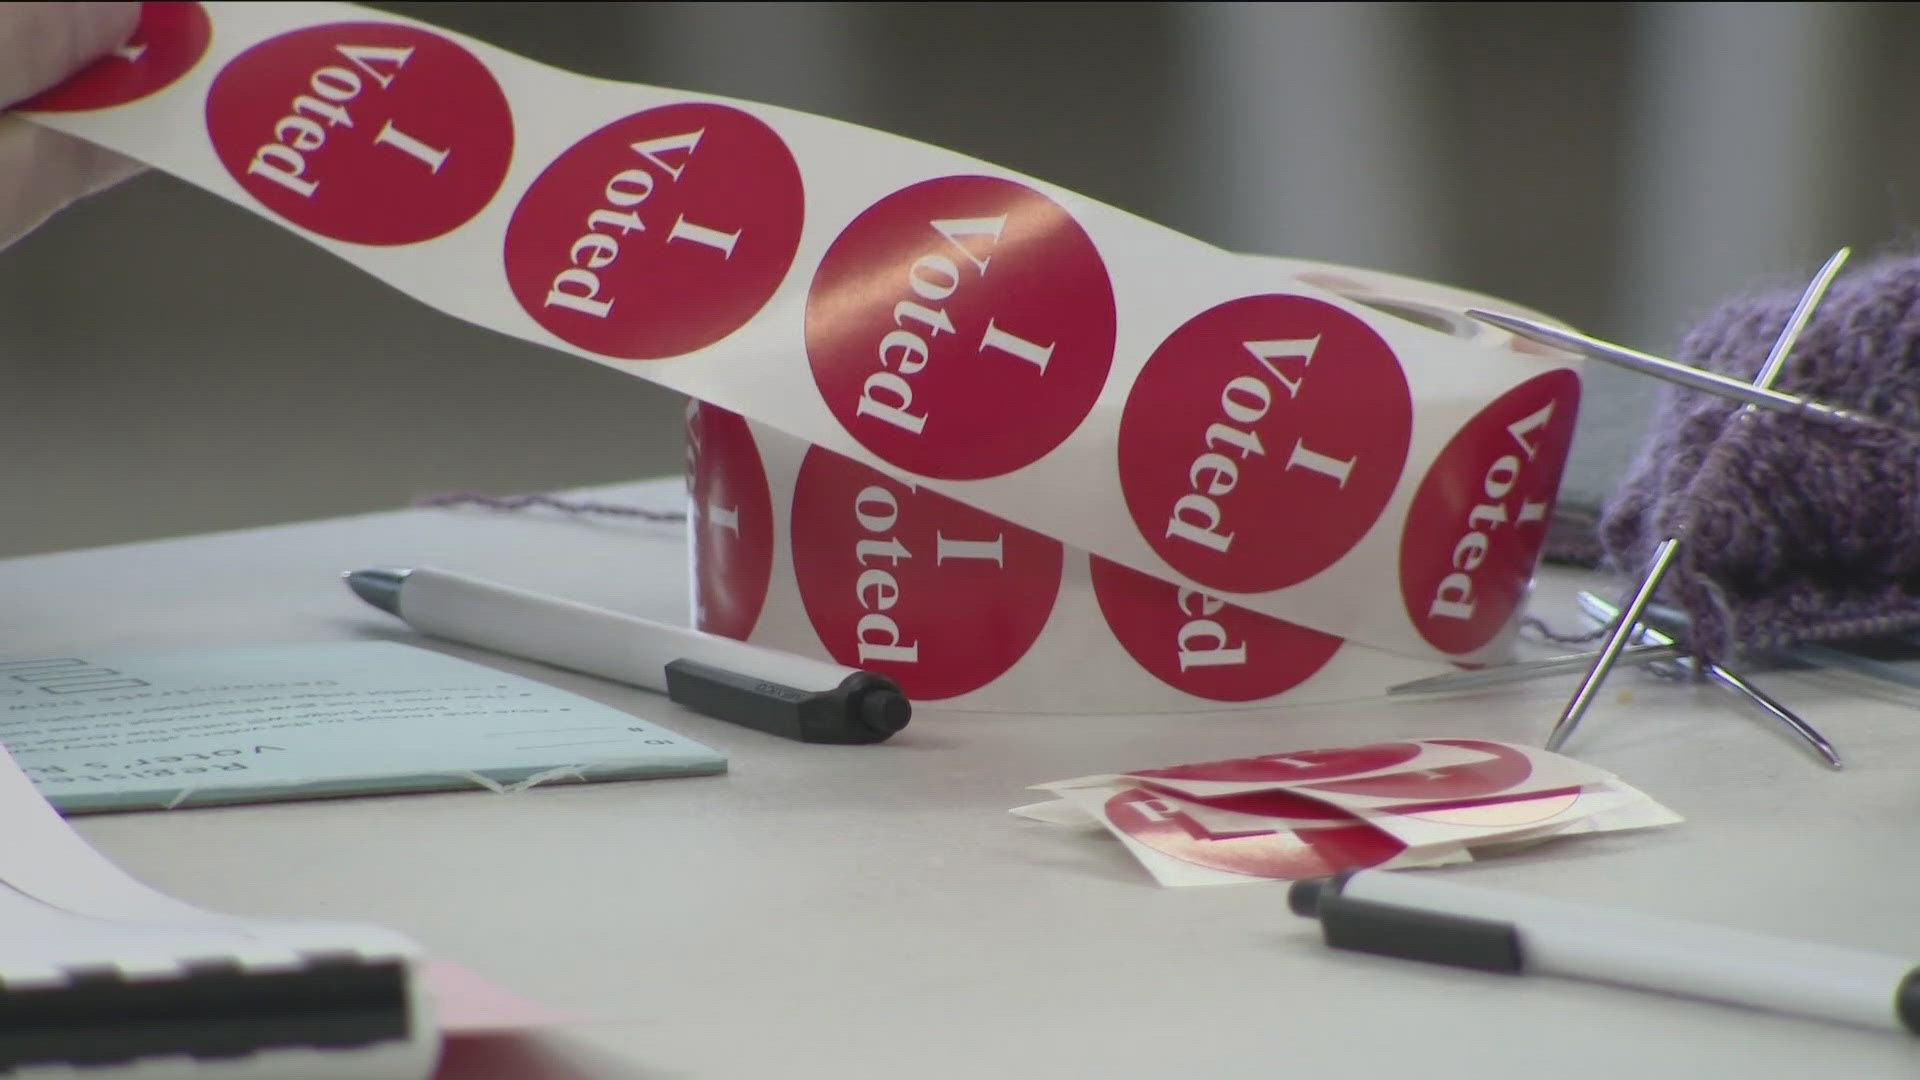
point(795, 696)
point(1418, 917)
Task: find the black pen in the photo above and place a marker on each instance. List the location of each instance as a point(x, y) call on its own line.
point(778, 692)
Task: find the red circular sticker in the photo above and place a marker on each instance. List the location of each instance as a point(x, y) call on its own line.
point(659, 234)
point(731, 515)
point(1480, 517)
point(909, 584)
point(171, 38)
point(371, 133)
point(961, 327)
point(1256, 846)
point(1202, 645)
point(1262, 439)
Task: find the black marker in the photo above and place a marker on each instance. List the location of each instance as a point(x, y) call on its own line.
point(777, 692)
point(1416, 916)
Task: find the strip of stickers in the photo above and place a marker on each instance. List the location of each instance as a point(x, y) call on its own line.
point(1338, 453)
point(1312, 813)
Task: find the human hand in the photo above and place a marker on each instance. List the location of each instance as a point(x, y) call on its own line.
point(42, 170)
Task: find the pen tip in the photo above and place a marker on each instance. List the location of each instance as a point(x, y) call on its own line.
point(380, 587)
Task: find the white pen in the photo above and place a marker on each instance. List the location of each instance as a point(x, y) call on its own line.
point(778, 692)
point(1419, 917)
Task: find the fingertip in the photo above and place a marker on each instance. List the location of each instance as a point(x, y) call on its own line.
point(97, 28)
point(111, 24)
point(43, 43)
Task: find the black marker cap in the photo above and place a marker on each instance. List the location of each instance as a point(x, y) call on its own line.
point(1407, 933)
point(1906, 1001)
point(864, 708)
point(1303, 896)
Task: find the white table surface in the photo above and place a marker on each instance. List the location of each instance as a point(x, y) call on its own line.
point(855, 912)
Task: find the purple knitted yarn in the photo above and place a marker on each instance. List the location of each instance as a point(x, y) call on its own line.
point(1791, 530)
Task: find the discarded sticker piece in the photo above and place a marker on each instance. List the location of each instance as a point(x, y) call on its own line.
point(1422, 802)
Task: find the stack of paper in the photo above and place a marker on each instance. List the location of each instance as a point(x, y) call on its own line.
point(101, 975)
point(1316, 812)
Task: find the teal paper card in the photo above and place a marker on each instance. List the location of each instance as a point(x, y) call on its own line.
point(138, 731)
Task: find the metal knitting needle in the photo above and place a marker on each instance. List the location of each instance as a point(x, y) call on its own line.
point(1728, 681)
point(1665, 552)
point(1623, 628)
point(1811, 652)
point(1524, 670)
point(1807, 651)
point(1597, 608)
point(1711, 382)
point(1656, 619)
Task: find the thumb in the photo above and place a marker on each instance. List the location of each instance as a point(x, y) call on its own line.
point(41, 44)
point(41, 170)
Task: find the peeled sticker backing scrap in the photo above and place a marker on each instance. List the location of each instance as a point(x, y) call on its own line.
point(955, 421)
point(1312, 813)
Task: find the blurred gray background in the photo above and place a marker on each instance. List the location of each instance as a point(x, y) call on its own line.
point(171, 364)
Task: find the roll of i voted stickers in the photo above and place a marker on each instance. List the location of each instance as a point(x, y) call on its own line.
point(797, 548)
point(1342, 454)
